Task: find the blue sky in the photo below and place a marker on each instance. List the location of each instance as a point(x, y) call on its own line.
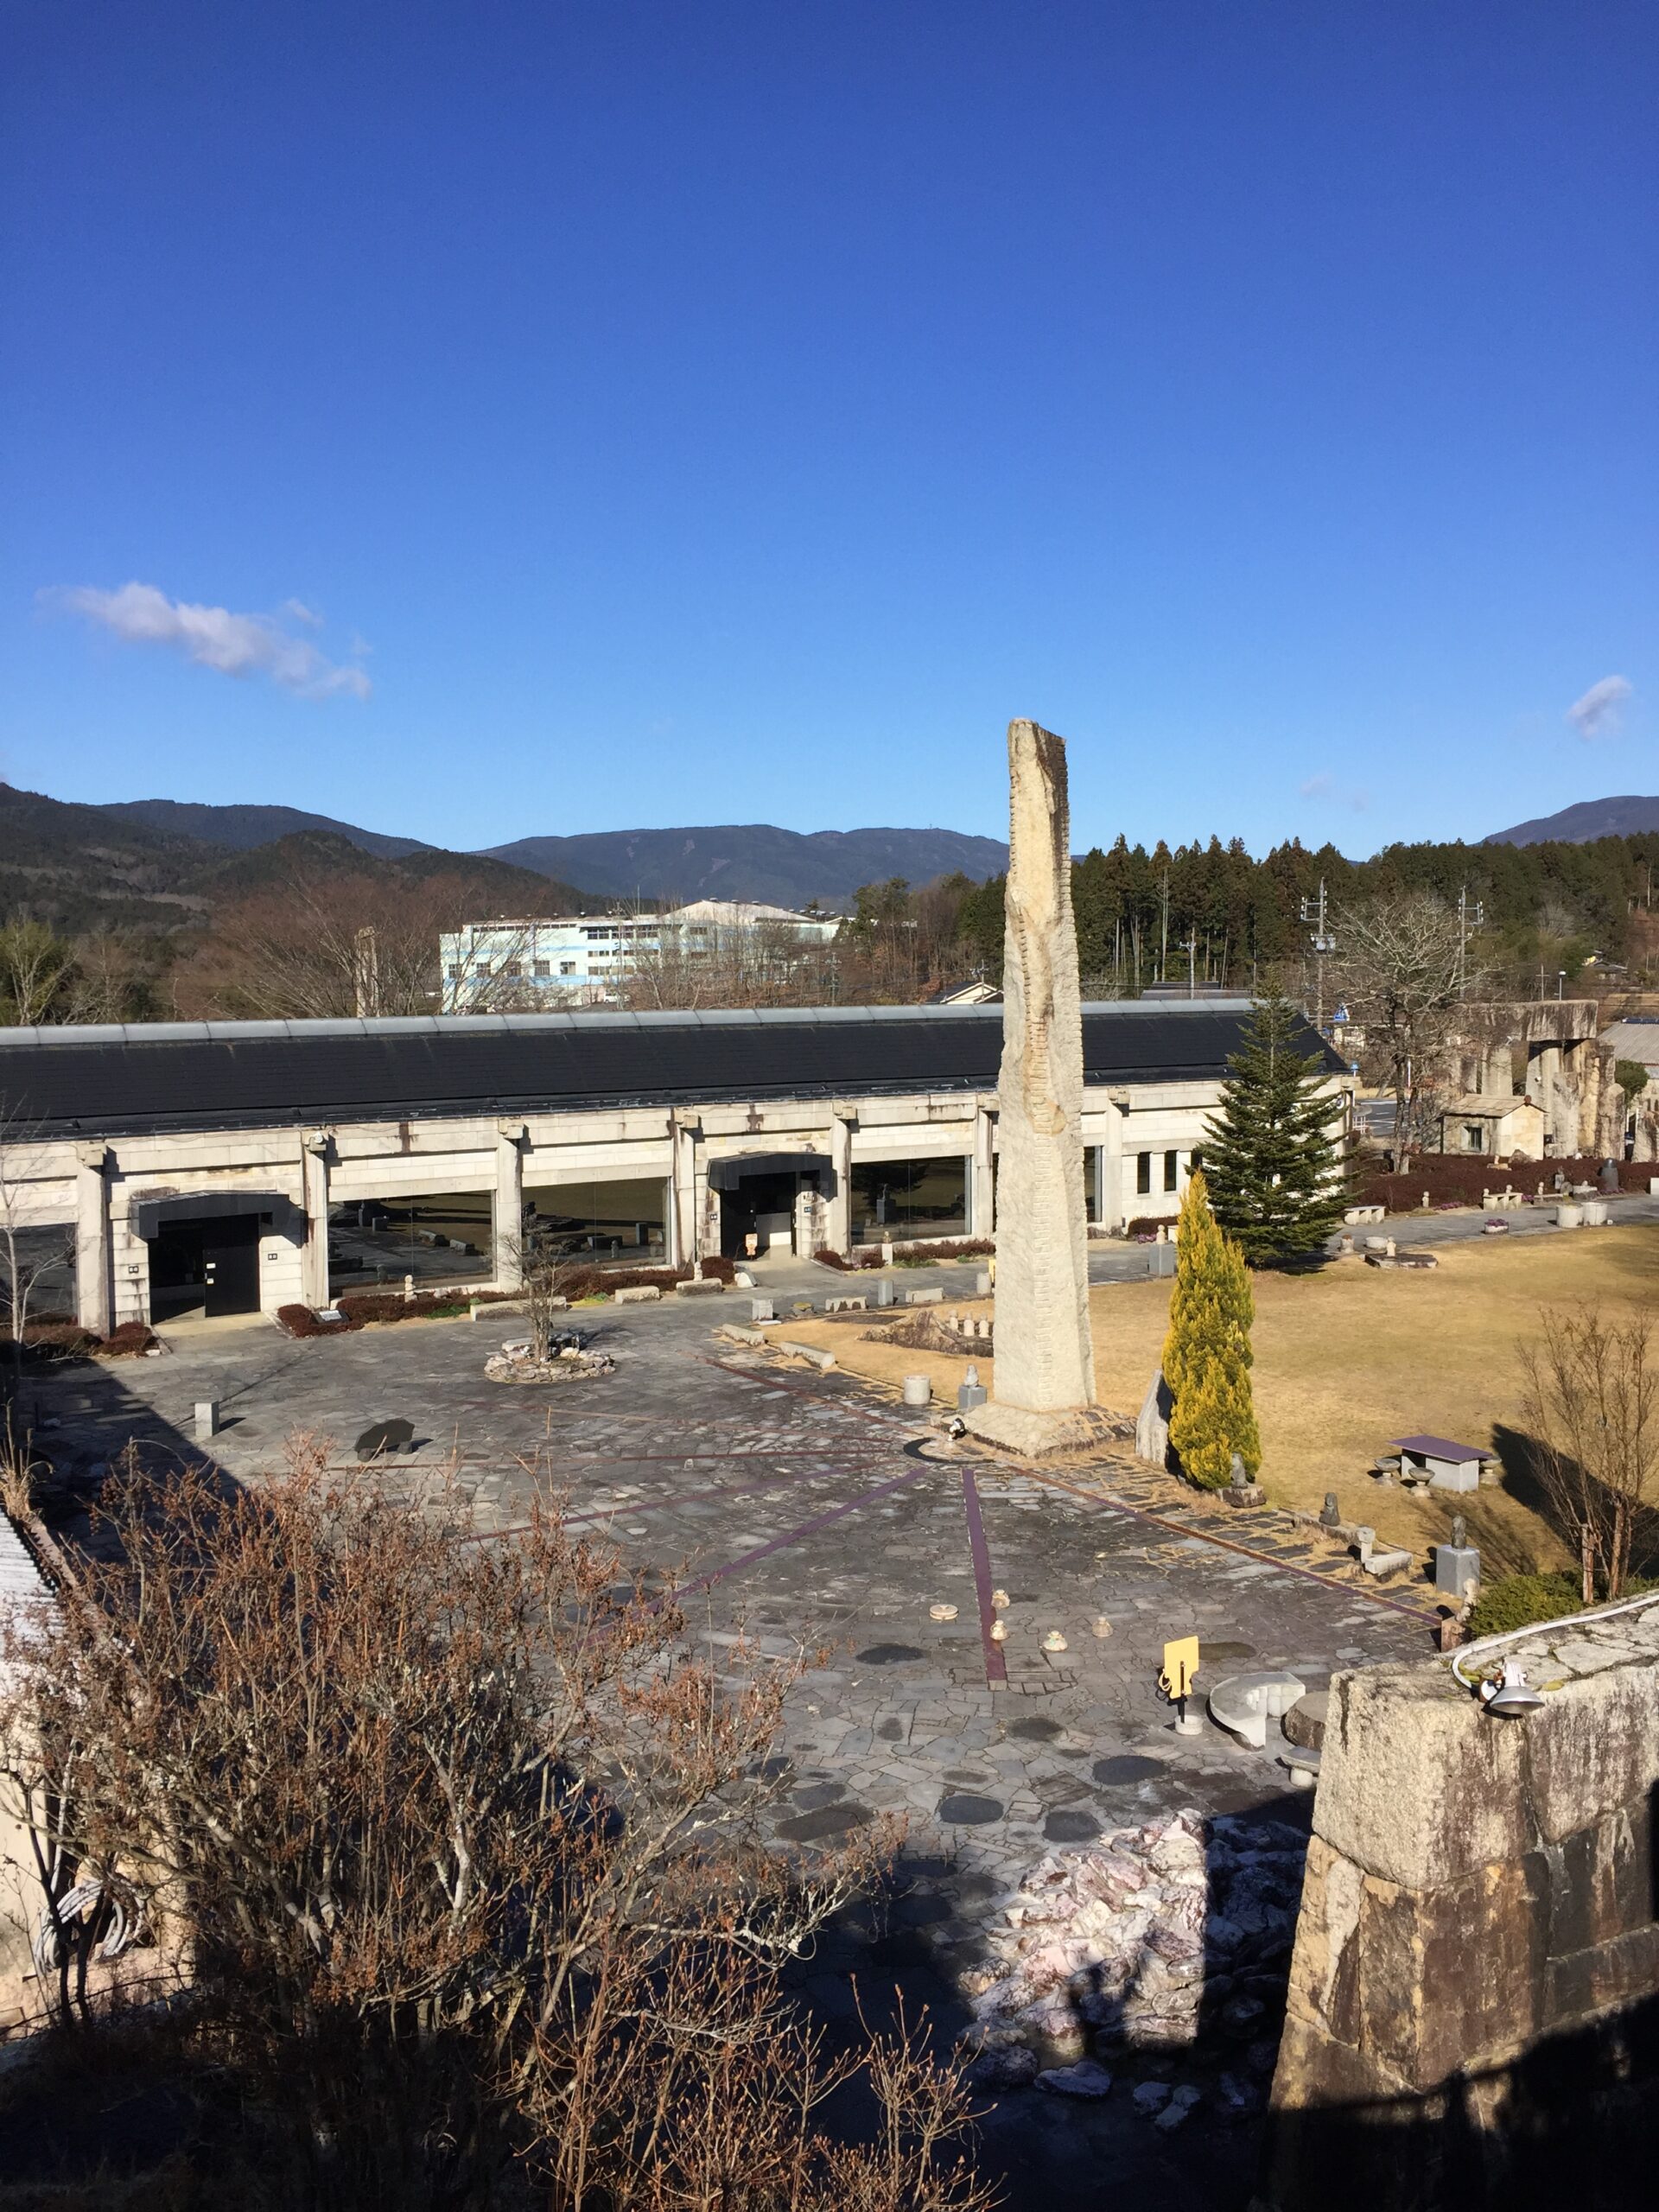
point(540, 418)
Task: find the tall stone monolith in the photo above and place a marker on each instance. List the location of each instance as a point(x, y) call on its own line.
point(1043, 1393)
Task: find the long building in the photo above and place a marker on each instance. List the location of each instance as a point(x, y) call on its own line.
point(239, 1167)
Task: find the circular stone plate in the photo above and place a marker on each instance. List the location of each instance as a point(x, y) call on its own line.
point(961, 1810)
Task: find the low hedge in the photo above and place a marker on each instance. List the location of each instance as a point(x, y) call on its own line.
point(1517, 1600)
point(300, 1321)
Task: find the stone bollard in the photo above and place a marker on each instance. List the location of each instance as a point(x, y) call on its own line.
point(1329, 1512)
point(918, 1391)
point(982, 1283)
point(206, 1418)
point(882, 1294)
point(760, 1309)
point(1569, 1216)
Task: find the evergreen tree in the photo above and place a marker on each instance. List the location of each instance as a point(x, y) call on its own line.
point(1207, 1352)
point(1273, 1166)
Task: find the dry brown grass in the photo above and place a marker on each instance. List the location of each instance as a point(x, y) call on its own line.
point(1352, 1356)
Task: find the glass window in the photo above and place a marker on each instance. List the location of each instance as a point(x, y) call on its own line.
point(455, 974)
point(914, 1200)
point(543, 968)
point(1172, 1170)
point(567, 967)
point(444, 1238)
point(1142, 1172)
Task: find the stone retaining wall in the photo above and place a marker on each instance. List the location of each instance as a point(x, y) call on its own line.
point(1473, 2012)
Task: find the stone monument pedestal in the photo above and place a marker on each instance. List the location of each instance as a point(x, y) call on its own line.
point(1036, 1435)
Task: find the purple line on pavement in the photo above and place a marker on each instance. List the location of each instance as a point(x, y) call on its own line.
point(996, 1667)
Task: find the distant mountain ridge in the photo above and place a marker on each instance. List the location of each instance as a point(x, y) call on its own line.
point(240, 828)
point(1581, 825)
point(756, 859)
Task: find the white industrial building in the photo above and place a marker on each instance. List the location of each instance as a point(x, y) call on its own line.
point(582, 959)
point(240, 1166)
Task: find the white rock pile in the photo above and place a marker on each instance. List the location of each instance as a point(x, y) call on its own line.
point(1130, 1941)
point(568, 1361)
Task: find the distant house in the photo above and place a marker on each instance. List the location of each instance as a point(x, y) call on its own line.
point(581, 959)
point(1481, 1122)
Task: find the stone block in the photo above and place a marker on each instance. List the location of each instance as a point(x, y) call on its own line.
point(762, 1309)
point(1456, 1569)
point(206, 1418)
point(698, 1286)
point(934, 1297)
point(1453, 1978)
point(970, 1396)
point(1601, 1881)
point(642, 1293)
point(918, 1390)
point(882, 1294)
point(735, 1335)
point(1593, 1748)
point(1403, 1745)
point(811, 1353)
point(1619, 1973)
point(845, 1305)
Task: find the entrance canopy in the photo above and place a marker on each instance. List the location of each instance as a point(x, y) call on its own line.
point(148, 1216)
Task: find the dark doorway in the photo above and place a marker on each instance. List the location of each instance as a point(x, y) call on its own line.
point(210, 1267)
point(755, 1199)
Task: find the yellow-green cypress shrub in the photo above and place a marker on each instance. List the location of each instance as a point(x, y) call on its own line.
point(1207, 1351)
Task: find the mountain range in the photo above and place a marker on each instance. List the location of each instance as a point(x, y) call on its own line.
point(1581, 825)
point(784, 867)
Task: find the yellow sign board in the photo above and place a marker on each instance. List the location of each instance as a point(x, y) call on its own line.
point(1180, 1665)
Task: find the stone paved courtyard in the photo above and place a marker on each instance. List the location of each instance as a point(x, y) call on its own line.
point(812, 1512)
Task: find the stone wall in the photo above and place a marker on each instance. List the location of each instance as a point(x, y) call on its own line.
point(1473, 2013)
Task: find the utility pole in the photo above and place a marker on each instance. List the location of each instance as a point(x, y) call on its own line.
point(1163, 940)
point(1314, 911)
point(1469, 917)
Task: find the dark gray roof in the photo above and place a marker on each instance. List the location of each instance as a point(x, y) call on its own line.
point(111, 1082)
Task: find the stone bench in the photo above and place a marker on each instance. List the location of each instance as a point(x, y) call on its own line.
point(1244, 1704)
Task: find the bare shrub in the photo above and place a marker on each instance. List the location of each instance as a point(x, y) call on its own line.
point(466, 1852)
point(1592, 1404)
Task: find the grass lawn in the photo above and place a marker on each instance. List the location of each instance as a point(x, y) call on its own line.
point(1352, 1356)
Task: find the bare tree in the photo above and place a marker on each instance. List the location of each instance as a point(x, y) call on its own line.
point(34, 965)
point(1403, 969)
point(321, 947)
point(467, 1841)
point(1592, 1406)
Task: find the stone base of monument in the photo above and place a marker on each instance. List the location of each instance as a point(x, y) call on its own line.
point(1037, 1435)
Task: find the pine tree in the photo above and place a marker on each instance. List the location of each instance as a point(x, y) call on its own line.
point(1273, 1166)
point(1207, 1352)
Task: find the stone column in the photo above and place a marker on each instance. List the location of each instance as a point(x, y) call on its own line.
point(685, 1228)
point(1112, 1216)
point(981, 1186)
point(314, 1182)
point(93, 1302)
point(508, 1207)
point(839, 1226)
point(1045, 1362)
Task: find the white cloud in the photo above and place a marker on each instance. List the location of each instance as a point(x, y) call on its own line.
point(297, 609)
point(213, 637)
point(1600, 712)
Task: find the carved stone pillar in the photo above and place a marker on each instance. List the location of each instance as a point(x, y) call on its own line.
point(1045, 1371)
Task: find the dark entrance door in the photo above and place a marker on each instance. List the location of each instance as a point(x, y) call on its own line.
point(209, 1265)
point(230, 1264)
